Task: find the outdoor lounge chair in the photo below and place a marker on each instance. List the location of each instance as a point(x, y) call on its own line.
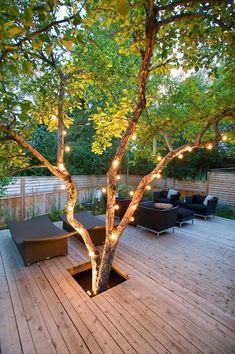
point(154, 219)
point(94, 225)
point(39, 239)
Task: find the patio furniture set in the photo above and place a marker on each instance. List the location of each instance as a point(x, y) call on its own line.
point(39, 239)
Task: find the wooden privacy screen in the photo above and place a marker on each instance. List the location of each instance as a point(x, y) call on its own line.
point(30, 196)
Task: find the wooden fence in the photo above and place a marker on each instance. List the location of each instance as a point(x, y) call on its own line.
point(30, 196)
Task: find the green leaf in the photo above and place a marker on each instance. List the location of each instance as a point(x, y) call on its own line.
point(27, 67)
point(28, 16)
point(123, 8)
point(37, 43)
point(67, 43)
point(13, 31)
point(77, 20)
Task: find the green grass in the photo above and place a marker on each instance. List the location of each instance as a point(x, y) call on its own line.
point(226, 211)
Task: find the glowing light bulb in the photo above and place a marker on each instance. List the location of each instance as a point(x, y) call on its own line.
point(134, 207)
point(132, 219)
point(88, 292)
point(63, 186)
point(118, 177)
point(189, 149)
point(70, 208)
point(180, 156)
point(91, 254)
point(131, 193)
point(158, 175)
point(133, 137)
point(159, 157)
point(209, 146)
point(103, 190)
point(115, 163)
point(64, 132)
point(224, 137)
point(61, 166)
point(67, 148)
point(53, 117)
point(148, 188)
point(116, 206)
point(113, 236)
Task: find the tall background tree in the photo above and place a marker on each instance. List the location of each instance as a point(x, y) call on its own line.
point(154, 36)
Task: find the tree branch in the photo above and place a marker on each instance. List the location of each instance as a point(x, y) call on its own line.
point(181, 17)
point(183, 2)
point(168, 143)
point(44, 29)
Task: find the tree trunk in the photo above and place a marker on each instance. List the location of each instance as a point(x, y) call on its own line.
point(105, 268)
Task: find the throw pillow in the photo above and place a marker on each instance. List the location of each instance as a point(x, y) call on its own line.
point(208, 197)
point(170, 193)
point(163, 206)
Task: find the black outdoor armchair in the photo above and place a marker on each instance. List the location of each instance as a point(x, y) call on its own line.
point(157, 220)
point(195, 203)
point(162, 197)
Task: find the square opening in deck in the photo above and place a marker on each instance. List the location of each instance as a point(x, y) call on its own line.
point(83, 276)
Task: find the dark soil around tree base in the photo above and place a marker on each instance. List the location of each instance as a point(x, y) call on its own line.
point(84, 277)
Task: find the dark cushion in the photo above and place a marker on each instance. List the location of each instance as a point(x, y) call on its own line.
point(183, 213)
point(164, 194)
point(196, 207)
point(163, 200)
point(198, 199)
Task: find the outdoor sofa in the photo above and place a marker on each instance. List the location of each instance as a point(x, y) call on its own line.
point(94, 225)
point(204, 206)
point(154, 219)
point(169, 196)
point(39, 239)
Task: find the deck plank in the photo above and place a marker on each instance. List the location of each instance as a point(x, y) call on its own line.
point(178, 298)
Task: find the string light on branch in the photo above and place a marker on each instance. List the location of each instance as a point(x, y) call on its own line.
point(133, 137)
point(148, 187)
point(189, 149)
point(103, 190)
point(113, 236)
point(115, 163)
point(180, 156)
point(159, 158)
point(132, 219)
point(61, 166)
point(91, 254)
point(63, 187)
point(116, 206)
point(118, 177)
point(64, 132)
point(224, 137)
point(157, 175)
point(209, 146)
point(70, 208)
point(134, 207)
point(131, 193)
point(67, 148)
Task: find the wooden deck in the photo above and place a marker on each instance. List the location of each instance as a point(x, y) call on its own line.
point(178, 298)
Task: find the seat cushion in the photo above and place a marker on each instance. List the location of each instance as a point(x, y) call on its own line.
point(197, 207)
point(171, 192)
point(208, 197)
point(164, 194)
point(163, 200)
point(198, 199)
point(183, 214)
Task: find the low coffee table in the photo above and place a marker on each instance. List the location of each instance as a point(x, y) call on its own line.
point(184, 215)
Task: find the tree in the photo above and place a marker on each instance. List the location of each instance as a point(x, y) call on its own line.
point(151, 32)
